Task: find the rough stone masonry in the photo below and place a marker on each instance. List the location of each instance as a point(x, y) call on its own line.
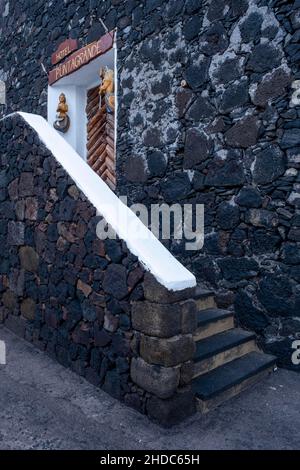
point(229, 140)
point(88, 303)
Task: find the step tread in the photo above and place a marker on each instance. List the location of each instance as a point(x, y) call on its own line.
point(201, 293)
point(220, 342)
point(231, 374)
point(212, 315)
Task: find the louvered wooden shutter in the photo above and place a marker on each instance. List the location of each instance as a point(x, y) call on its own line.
point(100, 138)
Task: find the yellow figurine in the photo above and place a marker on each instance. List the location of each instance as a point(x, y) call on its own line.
point(107, 89)
point(62, 122)
point(62, 108)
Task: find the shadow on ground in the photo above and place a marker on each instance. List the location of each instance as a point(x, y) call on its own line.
point(45, 406)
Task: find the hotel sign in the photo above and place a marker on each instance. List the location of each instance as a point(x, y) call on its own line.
point(81, 57)
point(66, 48)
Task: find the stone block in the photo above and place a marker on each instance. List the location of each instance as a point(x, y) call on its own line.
point(270, 87)
point(26, 184)
point(17, 281)
point(164, 320)
point(237, 269)
point(115, 281)
point(13, 189)
point(189, 316)
point(161, 381)
point(197, 148)
point(16, 233)
point(173, 410)
point(101, 337)
point(28, 308)
point(176, 187)
point(111, 322)
point(244, 133)
point(10, 300)
point(31, 208)
point(2, 315)
point(167, 352)
point(269, 165)
point(156, 292)
point(16, 324)
point(262, 218)
point(84, 288)
point(29, 259)
point(187, 373)
point(229, 172)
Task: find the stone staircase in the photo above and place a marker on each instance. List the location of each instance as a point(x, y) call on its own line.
point(227, 359)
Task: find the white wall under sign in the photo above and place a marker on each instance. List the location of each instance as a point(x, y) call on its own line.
point(75, 87)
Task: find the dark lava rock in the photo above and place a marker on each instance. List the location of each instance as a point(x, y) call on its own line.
point(214, 40)
point(250, 28)
point(270, 163)
point(228, 71)
point(176, 187)
point(291, 253)
point(263, 58)
point(200, 109)
point(275, 293)
point(237, 269)
point(244, 133)
point(228, 215)
point(113, 250)
point(152, 137)
point(272, 86)
point(196, 74)
point(249, 315)
point(290, 138)
point(282, 349)
point(16, 233)
point(157, 163)
point(262, 241)
point(135, 169)
point(234, 96)
point(227, 172)
point(249, 197)
point(114, 282)
point(192, 27)
point(197, 148)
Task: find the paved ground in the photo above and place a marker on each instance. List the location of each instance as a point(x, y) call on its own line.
point(44, 406)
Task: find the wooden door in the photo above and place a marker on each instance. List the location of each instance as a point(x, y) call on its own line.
point(100, 138)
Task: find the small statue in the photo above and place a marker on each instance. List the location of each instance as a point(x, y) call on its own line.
point(62, 122)
point(107, 89)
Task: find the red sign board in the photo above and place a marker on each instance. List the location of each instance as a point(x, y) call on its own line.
point(82, 57)
point(65, 48)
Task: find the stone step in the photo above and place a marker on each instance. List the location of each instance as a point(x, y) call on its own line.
point(224, 347)
point(204, 298)
point(213, 321)
point(229, 380)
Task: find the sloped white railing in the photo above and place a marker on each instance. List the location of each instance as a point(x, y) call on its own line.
point(150, 252)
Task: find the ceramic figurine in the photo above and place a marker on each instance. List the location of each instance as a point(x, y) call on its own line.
point(62, 122)
point(107, 89)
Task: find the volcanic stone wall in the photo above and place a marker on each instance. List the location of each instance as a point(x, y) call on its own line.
point(87, 302)
point(229, 139)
